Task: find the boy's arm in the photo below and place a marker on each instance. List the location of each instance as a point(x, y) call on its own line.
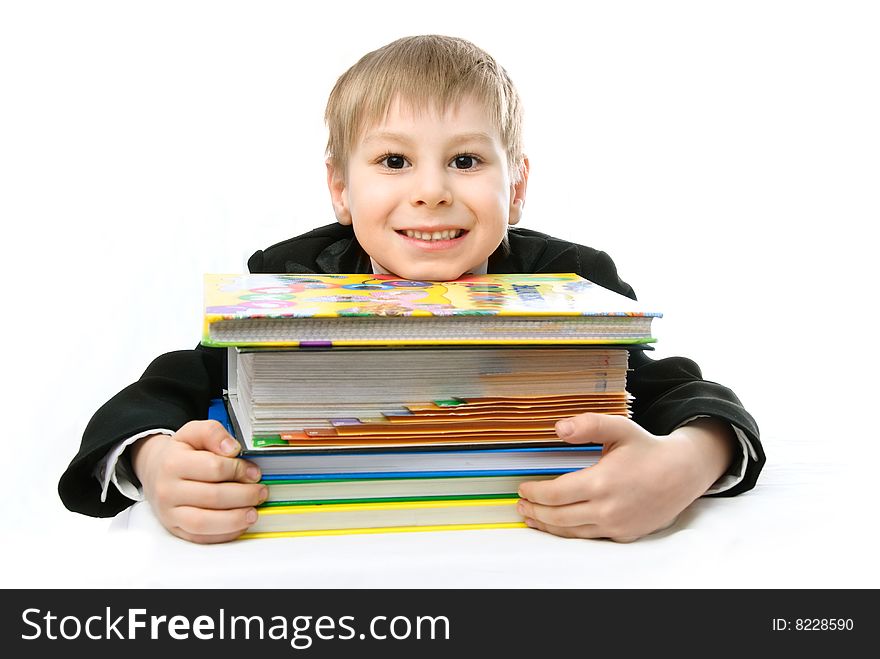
point(178, 386)
point(671, 394)
point(175, 388)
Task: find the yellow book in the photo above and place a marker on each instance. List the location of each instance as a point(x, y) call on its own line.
point(266, 310)
point(385, 517)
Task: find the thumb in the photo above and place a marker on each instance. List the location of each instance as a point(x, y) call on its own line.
point(208, 436)
point(595, 428)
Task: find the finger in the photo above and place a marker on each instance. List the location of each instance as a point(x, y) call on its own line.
point(199, 521)
point(595, 428)
point(221, 496)
point(568, 488)
point(208, 436)
point(576, 514)
point(584, 531)
point(205, 539)
point(625, 540)
point(210, 468)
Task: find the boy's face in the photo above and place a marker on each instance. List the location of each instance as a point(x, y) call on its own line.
point(429, 195)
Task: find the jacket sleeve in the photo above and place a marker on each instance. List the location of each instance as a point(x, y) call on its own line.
point(671, 391)
point(176, 388)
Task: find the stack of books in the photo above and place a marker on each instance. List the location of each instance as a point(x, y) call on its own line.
point(375, 404)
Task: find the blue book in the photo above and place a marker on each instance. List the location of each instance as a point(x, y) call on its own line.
point(217, 412)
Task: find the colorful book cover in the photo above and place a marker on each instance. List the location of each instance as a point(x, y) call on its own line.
point(233, 302)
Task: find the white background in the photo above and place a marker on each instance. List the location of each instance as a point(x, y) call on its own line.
point(724, 154)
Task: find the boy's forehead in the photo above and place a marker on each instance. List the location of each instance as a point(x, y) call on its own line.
point(466, 119)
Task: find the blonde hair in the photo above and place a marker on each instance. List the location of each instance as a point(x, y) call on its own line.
point(427, 71)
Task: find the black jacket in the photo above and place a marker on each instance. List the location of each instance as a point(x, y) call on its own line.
point(177, 386)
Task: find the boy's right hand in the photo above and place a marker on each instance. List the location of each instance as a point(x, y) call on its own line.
point(196, 486)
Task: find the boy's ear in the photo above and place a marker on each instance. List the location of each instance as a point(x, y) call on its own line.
point(518, 193)
point(338, 193)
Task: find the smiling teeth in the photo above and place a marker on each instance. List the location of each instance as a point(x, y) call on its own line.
point(439, 235)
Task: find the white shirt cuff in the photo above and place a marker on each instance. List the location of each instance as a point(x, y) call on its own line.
point(737, 470)
point(111, 469)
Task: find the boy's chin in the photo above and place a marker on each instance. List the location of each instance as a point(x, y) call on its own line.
point(422, 273)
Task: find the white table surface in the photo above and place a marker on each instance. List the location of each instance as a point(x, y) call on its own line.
point(803, 526)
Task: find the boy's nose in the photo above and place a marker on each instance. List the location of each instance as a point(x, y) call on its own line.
point(430, 188)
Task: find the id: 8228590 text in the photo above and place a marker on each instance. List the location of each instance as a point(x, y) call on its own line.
point(812, 624)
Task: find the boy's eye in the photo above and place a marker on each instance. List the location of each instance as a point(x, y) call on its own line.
point(394, 162)
point(464, 162)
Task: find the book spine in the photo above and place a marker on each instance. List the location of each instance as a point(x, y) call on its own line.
point(385, 529)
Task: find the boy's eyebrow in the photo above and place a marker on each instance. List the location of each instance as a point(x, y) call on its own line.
point(477, 136)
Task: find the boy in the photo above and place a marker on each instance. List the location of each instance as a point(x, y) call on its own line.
point(426, 172)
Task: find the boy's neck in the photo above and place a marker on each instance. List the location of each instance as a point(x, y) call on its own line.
point(478, 270)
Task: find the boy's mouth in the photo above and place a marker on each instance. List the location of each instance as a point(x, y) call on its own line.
point(444, 236)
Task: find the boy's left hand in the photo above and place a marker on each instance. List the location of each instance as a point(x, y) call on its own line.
point(640, 484)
